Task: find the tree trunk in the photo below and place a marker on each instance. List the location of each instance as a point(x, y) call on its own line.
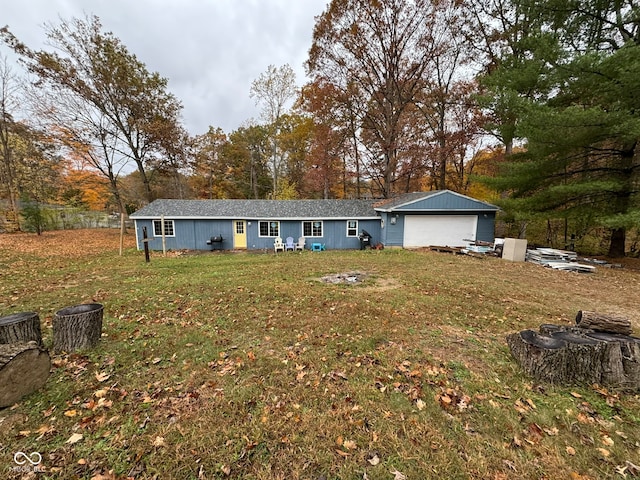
point(603, 322)
point(77, 327)
point(617, 243)
point(24, 368)
point(20, 327)
point(568, 356)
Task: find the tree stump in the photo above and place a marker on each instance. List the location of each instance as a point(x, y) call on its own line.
point(622, 360)
point(603, 323)
point(540, 356)
point(584, 358)
point(77, 327)
point(571, 355)
point(20, 327)
point(24, 368)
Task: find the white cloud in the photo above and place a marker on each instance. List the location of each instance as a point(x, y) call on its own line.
point(210, 50)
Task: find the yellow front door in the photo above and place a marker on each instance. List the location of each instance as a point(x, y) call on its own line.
point(239, 234)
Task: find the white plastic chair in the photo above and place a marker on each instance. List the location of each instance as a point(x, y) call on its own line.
point(278, 245)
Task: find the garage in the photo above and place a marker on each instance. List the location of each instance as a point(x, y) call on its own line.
point(439, 230)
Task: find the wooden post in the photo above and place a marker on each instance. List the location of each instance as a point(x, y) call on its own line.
point(164, 240)
point(24, 368)
point(77, 327)
point(121, 233)
point(145, 241)
point(20, 327)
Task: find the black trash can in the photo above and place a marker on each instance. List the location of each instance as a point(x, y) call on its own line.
point(365, 240)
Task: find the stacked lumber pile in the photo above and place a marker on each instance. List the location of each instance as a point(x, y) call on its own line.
point(558, 260)
point(599, 349)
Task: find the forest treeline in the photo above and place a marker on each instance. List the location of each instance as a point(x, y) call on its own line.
point(533, 106)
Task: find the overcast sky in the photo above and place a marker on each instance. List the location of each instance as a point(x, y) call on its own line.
point(210, 50)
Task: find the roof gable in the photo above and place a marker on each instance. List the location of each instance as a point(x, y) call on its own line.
point(437, 200)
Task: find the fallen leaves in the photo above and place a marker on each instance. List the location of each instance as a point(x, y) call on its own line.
point(102, 377)
point(159, 442)
point(75, 438)
point(398, 475)
point(451, 399)
point(226, 365)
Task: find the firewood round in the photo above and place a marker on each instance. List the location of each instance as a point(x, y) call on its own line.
point(20, 327)
point(24, 368)
point(603, 322)
point(77, 327)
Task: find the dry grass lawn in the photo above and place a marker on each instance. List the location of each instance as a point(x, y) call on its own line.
point(247, 365)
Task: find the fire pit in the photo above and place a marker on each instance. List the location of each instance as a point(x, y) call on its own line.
point(345, 277)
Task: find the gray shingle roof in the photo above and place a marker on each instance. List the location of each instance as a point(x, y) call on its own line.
point(436, 200)
point(257, 209)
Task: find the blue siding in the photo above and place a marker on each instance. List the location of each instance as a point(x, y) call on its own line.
point(393, 234)
point(194, 234)
point(485, 231)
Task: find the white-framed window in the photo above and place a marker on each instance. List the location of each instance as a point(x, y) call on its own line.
point(352, 228)
point(269, 229)
point(169, 231)
point(312, 228)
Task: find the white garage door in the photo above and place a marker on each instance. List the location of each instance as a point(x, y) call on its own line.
point(439, 230)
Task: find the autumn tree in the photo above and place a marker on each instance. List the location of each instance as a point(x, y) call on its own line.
point(29, 163)
point(234, 165)
point(378, 52)
point(333, 155)
point(100, 95)
point(207, 159)
point(295, 133)
point(83, 188)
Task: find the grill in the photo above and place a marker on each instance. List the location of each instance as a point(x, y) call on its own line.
point(365, 239)
point(215, 242)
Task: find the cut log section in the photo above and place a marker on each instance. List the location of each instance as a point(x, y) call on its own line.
point(20, 327)
point(604, 323)
point(77, 327)
point(24, 368)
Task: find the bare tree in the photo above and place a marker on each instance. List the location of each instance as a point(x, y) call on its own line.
point(274, 89)
point(9, 101)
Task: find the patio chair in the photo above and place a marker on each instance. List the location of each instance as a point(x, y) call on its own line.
point(290, 245)
point(278, 245)
point(300, 244)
